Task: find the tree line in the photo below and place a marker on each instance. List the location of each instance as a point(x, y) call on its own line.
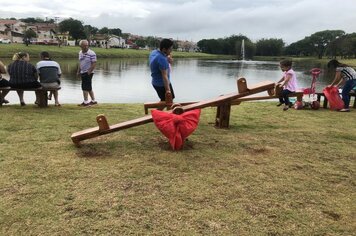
point(330, 43)
point(76, 29)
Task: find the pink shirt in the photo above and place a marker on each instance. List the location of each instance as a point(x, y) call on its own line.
point(292, 83)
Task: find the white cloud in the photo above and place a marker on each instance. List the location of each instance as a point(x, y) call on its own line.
point(290, 20)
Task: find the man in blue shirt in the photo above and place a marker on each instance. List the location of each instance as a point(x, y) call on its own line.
point(160, 69)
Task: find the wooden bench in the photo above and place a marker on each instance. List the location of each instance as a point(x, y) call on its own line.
point(41, 94)
point(325, 100)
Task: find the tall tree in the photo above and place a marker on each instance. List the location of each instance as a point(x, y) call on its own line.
point(228, 46)
point(116, 31)
point(234, 44)
point(269, 47)
point(302, 47)
point(74, 27)
point(322, 39)
point(90, 31)
point(32, 20)
point(104, 30)
point(153, 42)
point(37, 20)
point(140, 42)
point(344, 46)
point(29, 33)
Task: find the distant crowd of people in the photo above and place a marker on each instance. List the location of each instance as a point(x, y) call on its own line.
point(47, 73)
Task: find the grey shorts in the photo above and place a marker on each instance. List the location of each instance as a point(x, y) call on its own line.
point(50, 85)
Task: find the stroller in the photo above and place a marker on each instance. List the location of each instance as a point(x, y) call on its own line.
point(309, 96)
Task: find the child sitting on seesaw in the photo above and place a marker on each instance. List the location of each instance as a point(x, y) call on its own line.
point(288, 82)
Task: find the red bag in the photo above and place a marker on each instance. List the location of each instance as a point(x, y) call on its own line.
point(176, 127)
point(335, 101)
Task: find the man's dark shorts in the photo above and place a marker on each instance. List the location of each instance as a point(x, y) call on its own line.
point(86, 81)
point(161, 92)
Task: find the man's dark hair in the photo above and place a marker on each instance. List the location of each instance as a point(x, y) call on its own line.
point(44, 54)
point(166, 44)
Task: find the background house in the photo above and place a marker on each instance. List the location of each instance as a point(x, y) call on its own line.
point(46, 33)
point(12, 30)
point(116, 42)
point(109, 41)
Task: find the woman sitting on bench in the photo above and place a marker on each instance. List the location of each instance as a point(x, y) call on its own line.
point(23, 75)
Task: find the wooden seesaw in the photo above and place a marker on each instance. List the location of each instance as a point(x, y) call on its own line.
point(222, 102)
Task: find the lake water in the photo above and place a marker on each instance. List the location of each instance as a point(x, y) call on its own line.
point(128, 80)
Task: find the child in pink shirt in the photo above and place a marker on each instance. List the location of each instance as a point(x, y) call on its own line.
point(288, 82)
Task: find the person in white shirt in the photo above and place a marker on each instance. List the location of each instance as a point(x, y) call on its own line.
point(49, 72)
point(87, 63)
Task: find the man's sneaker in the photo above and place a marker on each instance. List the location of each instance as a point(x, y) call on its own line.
point(83, 104)
point(279, 104)
point(345, 110)
point(93, 102)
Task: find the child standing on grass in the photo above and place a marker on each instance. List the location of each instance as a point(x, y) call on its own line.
point(288, 82)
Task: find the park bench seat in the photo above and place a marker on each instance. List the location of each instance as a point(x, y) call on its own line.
point(40, 92)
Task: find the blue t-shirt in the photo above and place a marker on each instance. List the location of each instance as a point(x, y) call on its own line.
point(158, 62)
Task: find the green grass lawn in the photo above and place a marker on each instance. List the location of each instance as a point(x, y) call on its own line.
point(8, 50)
point(271, 173)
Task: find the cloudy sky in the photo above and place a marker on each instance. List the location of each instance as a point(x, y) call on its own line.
point(290, 20)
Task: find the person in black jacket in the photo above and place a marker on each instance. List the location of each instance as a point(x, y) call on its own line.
point(23, 75)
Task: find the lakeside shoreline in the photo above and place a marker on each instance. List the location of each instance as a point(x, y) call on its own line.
point(70, 52)
point(7, 50)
